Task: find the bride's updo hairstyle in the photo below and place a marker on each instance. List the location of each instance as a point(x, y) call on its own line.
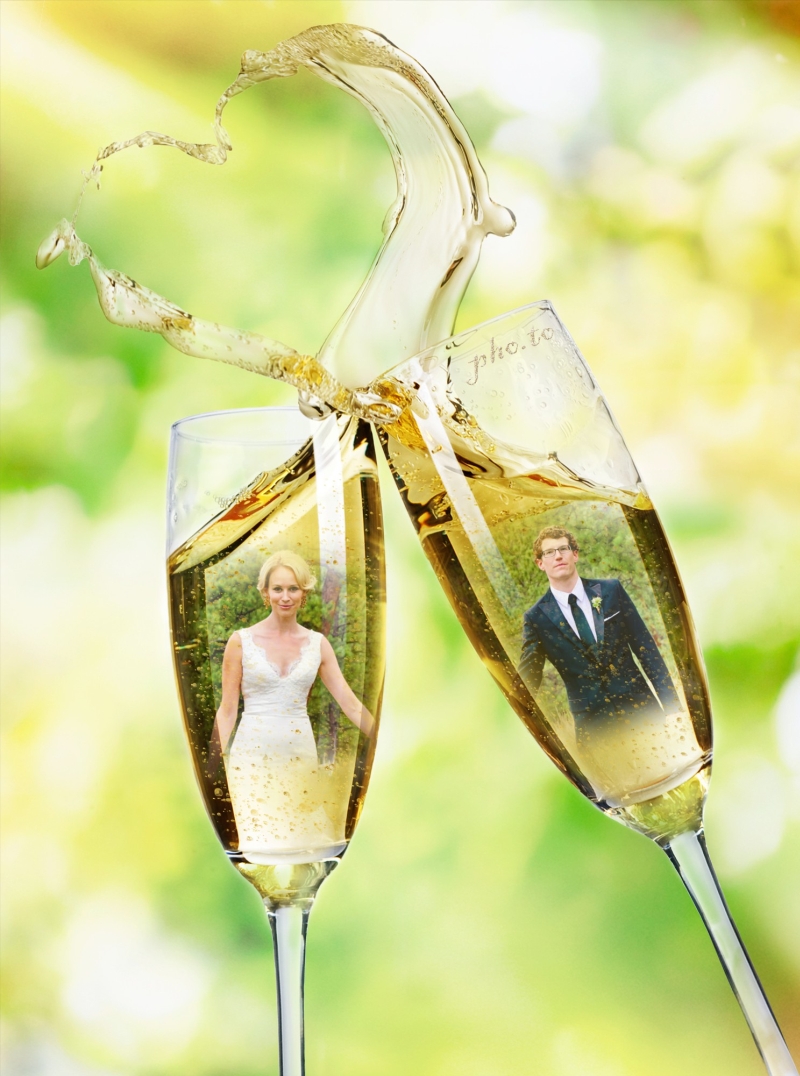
point(285, 558)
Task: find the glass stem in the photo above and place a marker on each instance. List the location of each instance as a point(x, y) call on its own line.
point(289, 923)
point(689, 855)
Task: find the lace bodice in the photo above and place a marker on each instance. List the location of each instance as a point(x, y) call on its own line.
point(265, 691)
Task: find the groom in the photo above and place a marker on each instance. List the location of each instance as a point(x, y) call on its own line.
point(589, 629)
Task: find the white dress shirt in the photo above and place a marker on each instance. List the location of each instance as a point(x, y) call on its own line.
point(562, 597)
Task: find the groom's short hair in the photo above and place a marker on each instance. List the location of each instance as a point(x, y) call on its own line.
point(553, 532)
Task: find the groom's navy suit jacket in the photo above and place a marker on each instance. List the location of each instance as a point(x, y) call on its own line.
point(601, 680)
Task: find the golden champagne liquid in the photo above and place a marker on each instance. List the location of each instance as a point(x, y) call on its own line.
point(300, 812)
point(476, 517)
point(433, 235)
point(478, 504)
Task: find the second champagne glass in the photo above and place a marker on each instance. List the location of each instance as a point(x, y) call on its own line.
point(537, 524)
point(267, 508)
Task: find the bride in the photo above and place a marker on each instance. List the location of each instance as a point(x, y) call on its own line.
point(276, 784)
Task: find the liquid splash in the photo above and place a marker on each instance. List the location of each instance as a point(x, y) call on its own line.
point(131, 305)
point(433, 232)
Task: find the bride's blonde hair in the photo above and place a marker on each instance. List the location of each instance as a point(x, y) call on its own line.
point(285, 558)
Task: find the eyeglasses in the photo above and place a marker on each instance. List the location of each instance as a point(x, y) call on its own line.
point(548, 553)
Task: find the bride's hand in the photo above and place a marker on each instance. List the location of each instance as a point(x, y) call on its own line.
point(333, 679)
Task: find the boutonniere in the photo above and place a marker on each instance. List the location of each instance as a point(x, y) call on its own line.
point(597, 603)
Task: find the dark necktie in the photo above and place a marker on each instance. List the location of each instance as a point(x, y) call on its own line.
point(581, 623)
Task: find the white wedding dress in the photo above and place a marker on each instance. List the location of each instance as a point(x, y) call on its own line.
point(277, 787)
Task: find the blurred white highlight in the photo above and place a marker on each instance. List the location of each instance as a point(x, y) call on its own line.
point(516, 54)
point(548, 71)
point(42, 1056)
point(787, 729)
point(137, 988)
point(749, 812)
point(514, 270)
point(16, 362)
point(713, 111)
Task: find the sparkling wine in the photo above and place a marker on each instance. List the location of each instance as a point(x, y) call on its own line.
point(281, 813)
point(480, 485)
point(433, 236)
point(483, 472)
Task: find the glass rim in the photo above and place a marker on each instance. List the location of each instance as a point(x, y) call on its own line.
point(177, 428)
point(459, 338)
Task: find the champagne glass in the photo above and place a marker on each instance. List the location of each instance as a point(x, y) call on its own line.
point(283, 779)
point(533, 515)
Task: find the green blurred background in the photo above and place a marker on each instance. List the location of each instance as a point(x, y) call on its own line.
point(486, 920)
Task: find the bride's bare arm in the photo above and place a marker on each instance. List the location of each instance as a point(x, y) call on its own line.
point(334, 681)
point(231, 685)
